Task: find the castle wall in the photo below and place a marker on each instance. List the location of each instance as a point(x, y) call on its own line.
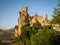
point(40, 19)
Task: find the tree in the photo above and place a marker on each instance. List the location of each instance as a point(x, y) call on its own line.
point(26, 32)
point(55, 40)
point(41, 37)
point(36, 26)
point(48, 27)
point(45, 36)
point(56, 15)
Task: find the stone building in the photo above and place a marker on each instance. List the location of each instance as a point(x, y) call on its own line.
point(43, 21)
point(22, 17)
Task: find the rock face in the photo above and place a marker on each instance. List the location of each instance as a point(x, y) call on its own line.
point(23, 16)
point(21, 20)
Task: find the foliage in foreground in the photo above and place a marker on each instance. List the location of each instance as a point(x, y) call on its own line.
point(45, 37)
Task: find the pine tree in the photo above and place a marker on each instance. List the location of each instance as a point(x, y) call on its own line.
point(56, 15)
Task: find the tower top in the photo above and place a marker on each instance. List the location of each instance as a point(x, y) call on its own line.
point(46, 15)
point(46, 18)
point(25, 9)
point(35, 14)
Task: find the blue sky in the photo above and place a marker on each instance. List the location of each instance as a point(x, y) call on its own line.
point(9, 10)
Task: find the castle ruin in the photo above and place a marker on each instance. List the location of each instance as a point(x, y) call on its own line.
point(22, 17)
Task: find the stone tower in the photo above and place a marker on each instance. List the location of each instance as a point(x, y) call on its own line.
point(21, 19)
point(46, 18)
point(24, 10)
